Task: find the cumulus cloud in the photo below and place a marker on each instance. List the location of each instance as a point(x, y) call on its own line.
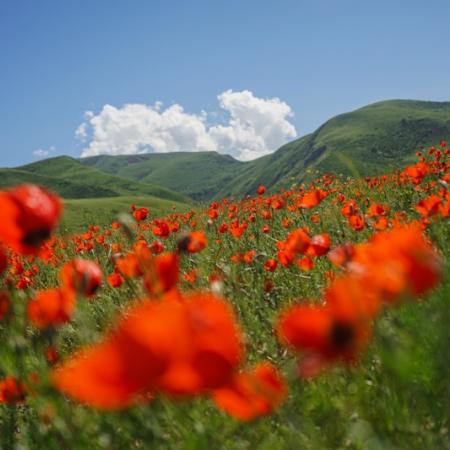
point(254, 127)
point(43, 153)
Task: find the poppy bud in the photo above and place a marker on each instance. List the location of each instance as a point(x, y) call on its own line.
point(82, 275)
point(193, 242)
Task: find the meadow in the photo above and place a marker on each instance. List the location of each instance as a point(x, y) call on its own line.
point(309, 318)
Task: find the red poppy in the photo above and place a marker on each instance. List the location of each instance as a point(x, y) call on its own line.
point(381, 223)
point(82, 275)
point(162, 274)
point(129, 265)
point(161, 228)
point(51, 355)
point(297, 242)
point(261, 190)
point(349, 209)
point(12, 391)
point(215, 349)
point(175, 345)
point(29, 215)
point(51, 307)
point(319, 246)
point(140, 214)
point(191, 276)
point(111, 374)
point(253, 393)
point(237, 230)
point(311, 199)
point(156, 247)
point(376, 209)
point(306, 264)
point(356, 222)
point(335, 331)
point(429, 206)
point(193, 242)
point(398, 262)
point(341, 255)
point(115, 280)
point(270, 265)
point(249, 256)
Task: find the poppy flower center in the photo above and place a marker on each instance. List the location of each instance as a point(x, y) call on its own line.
point(36, 237)
point(183, 243)
point(341, 334)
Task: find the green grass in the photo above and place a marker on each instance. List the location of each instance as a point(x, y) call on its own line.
point(396, 398)
point(71, 179)
point(102, 211)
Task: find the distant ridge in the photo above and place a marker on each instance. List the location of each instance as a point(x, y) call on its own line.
point(72, 180)
point(368, 141)
point(199, 175)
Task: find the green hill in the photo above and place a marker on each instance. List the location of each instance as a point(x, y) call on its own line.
point(65, 188)
point(71, 179)
point(368, 141)
point(199, 175)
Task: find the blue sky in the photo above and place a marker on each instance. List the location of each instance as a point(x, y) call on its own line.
point(59, 59)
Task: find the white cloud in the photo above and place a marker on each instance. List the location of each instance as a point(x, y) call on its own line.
point(255, 127)
point(43, 153)
point(81, 132)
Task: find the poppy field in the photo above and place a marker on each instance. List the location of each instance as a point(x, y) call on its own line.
point(316, 317)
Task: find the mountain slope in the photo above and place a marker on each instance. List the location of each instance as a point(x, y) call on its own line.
point(65, 188)
point(71, 179)
point(368, 141)
point(199, 175)
point(371, 140)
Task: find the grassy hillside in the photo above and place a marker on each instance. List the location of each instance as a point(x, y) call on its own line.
point(369, 141)
point(65, 188)
point(71, 179)
point(199, 175)
point(78, 213)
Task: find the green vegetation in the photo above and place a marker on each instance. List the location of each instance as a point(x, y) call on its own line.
point(78, 213)
point(64, 187)
point(71, 179)
point(369, 141)
point(199, 175)
point(396, 398)
point(379, 137)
